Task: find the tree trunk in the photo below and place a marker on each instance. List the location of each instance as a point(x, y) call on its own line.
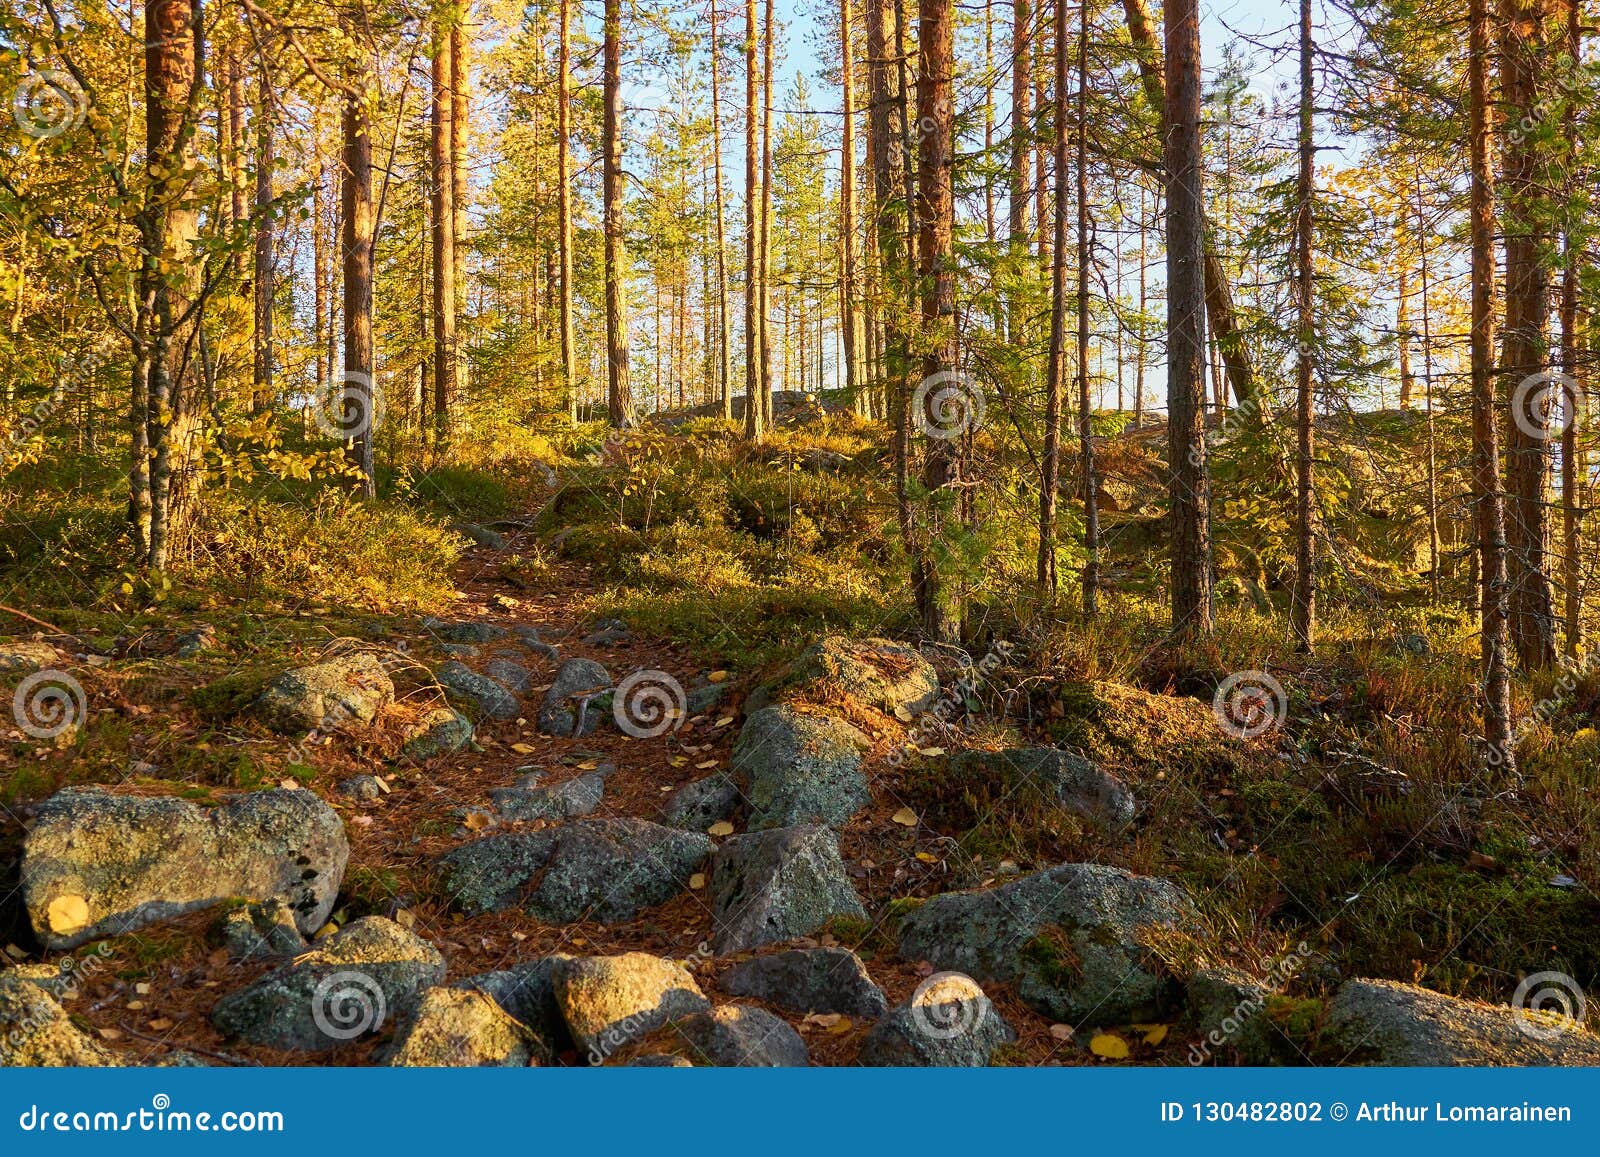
point(569, 364)
point(1186, 445)
point(1303, 605)
point(1021, 93)
point(265, 279)
point(855, 388)
point(754, 321)
point(1573, 469)
point(1091, 486)
point(1487, 501)
point(1056, 372)
point(358, 393)
point(619, 394)
point(764, 256)
point(724, 345)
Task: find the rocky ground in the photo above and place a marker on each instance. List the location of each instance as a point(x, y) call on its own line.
point(511, 838)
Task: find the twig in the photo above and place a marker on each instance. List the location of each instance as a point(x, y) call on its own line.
point(223, 1057)
point(38, 622)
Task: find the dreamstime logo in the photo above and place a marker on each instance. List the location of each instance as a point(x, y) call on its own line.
point(48, 103)
point(347, 1004)
point(649, 703)
point(948, 404)
point(351, 408)
point(1548, 1004)
point(1249, 703)
point(947, 1005)
point(1546, 404)
point(49, 703)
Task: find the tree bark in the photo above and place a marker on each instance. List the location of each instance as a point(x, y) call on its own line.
point(444, 232)
point(618, 388)
point(1091, 486)
point(358, 400)
point(724, 345)
point(569, 362)
point(754, 320)
point(1303, 604)
point(855, 388)
point(265, 278)
point(1186, 446)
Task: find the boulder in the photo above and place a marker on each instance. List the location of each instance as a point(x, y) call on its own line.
point(463, 632)
point(491, 873)
point(570, 707)
point(881, 673)
point(825, 980)
point(694, 807)
point(1383, 1022)
point(513, 675)
point(348, 985)
point(25, 656)
point(947, 1022)
point(489, 697)
point(460, 1028)
point(97, 864)
point(261, 932)
point(36, 1032)
point(1072, 941)
point(526, 992)
point(735, 1037)
point(529, 638)
point(608, 1002)
point(346, 691)
point(1059, 778)
point(442, 731)
point(364, 788)
point(479, 535)
point(562, 801)
point(775, 885)
point(800, 769)
point(611, 870)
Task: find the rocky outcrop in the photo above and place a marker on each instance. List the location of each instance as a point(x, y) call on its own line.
point(736, 1037)
point(97, 864)
point(887, 675)
point(823, 980)
point(772, 886)
point(483, 693)
point(36, 1032)
point(442, 731)
point(800, 769)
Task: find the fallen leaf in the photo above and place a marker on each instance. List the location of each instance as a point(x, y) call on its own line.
point(905, 817)
point(930, 752)
point(1109, 1045)
point(720, 828)
point(523, 748)
point(109, 1033)
point(717, 677)
point(724, 721)
point(160, 1024)
point(1156, 1034)
point(68, 914)
point(1062, 1031)
point(697, 881)
point(289, 784)
point(406, 918)
point(474, 821)
point(927, 857)
point(707, 765)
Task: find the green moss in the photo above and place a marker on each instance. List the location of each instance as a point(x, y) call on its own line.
point(1053, 958)
point(232, 694)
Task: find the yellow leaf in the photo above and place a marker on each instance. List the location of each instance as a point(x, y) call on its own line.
point(523, 748)
point(160, 1024)
point(930, 752)
point(720, 828)
point(707, 765)
point(1109, 1045)
point(697, 881)
point(724, 721)
point(677, 761)
point(718, 677)
point(905, 817)
point(927, 857)
point(68, 914)
point(1156, 1035)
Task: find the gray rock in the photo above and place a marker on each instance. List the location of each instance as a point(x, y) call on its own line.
point(609, 1002)
point(197, 640)
point(529, 638)
point(469, 631)
point(490, 874)
point(261, 931)
point(489, 697)
point(1059, 778)
point(36, 1032)
point(821, 980)
point(346, 691)
point(611, 870)
point(1383, 1022)
point(460, 1028)
point(947, 1022)
point(442, 731)
point(562, 801)
point(800, 769)
point(362, 787)
point(735, 1037)
point(1071, 940)
point(775, 885)
point(480, 535)
point(527, 993)
point(514, 675)
point(700, 700)
point(572, 705)
point(890, 676)
point(99, 865)
point(608, 633)
point(694, 807)
point(461, 650)
point(1227, 1009)
point(350, 984)
point(25, 656)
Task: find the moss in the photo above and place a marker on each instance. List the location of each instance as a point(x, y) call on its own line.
point(1297, 1018)
point(232, 694)
point(1053, 958)
point(851, 931)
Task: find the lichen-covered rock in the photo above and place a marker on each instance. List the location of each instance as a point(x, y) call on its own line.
point(36, 1032)
point(1383, 1022)
point(609, 1002)
point(261, 931)
point(1059, 778)
point(821, 980)
point(25, 656)
point(480, 535)
point(1073, 941)
point(694, 807)
point(463, 632)
point(441, 731)
point(562, 801)
point(346, 691)
point(800, 769)
point(527, 993)
point(887, 675)
point(460, 1028)
point(513, 675)
point(947, 1022)
point(571, 706)
point(775, 885)
point(352, 983)
point(1227, 1012)
point(97, 864)
point(491, 873)
point(489, 697)
point(611, 870)
point(736, 1037)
